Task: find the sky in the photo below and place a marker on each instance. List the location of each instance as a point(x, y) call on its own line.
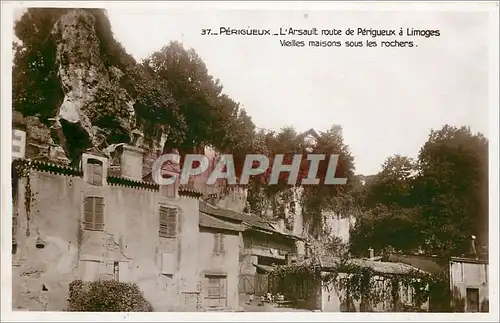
point(386, 99)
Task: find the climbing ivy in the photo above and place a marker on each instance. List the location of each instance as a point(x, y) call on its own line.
point(355, 282)
point(21, 169)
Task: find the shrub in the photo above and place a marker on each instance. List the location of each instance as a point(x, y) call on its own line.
point(106, 296)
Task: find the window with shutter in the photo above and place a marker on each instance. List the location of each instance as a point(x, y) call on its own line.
point(215, 295)
point(94, 172)
point(218, 244)
point(93, 213)
point(221, 244)
point(168, 222)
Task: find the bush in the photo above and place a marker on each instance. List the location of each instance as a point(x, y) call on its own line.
point(106, 296)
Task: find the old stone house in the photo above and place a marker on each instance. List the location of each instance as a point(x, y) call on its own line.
point(89, 223)
point(469, 284)
point(310, 292)
point(468, 279)
point(262, 244)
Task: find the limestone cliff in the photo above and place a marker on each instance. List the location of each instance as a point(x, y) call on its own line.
point(96, 110)
point(92, 93)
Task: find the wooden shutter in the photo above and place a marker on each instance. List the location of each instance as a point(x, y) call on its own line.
point(172, 222)
point(93, 213)
point(216, 243)
point(88, 214)
point(221, 243)
point(216, 291)
point(168, 222)
point(222, 293)
point(98, 213)
point(163, 222)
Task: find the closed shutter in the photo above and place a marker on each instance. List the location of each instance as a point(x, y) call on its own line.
point(221, 243)
point(215, 295)
point(93, 213)
point(216, 244)
point(99, 213)
point(88, 216)
point(168, 222)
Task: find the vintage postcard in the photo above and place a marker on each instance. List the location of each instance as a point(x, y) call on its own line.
point(285, 161)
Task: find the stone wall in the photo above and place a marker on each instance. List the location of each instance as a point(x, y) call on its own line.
point(53, 249)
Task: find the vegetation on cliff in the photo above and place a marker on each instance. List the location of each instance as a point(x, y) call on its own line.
point(433, 204)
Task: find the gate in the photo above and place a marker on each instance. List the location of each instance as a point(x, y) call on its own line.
point(246, 284)
point(261, 284)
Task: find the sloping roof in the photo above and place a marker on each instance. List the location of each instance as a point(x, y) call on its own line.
point(311, 132)
point(235, 216)
point(265, 268)
point(252, 221)
point(433, 265)
point(208, 221)
point(383, 267)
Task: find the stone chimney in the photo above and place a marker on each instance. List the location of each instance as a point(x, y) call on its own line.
point(371, 253)
point(131, 162)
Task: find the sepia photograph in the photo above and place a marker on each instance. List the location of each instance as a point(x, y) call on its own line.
point(188, 157)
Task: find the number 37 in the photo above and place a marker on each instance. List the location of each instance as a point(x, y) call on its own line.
point(205, 32)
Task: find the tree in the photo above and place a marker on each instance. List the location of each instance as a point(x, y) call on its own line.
point(36, 88)
point(434, 205)
point(211, 117)
point(393, 185)
point(452, 188)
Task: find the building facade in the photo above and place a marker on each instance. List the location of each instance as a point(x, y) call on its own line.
point(469, 284)
point(85, 223)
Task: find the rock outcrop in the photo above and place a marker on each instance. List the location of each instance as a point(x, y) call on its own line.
point(96, 111)
point(93, 97)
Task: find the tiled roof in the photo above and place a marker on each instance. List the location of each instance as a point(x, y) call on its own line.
point(253, 221)
point(265, 268)
point(383, 267)
point(234, 216)
point(208, 221)
point(433, 265)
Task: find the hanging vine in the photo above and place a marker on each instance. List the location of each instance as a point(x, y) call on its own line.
point(355, 282)
point(21, 169)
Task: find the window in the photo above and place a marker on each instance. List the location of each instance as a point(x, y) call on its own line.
point(219, 244)
point(472, 300)
point(94, 172)
point(116, 271)
point(16, 137)
point(93, 210)
point(215, 295)
point(168, 222)
point(16, 149)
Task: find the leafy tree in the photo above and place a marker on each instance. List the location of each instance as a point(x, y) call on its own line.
point(322, 197)
point(452, 188)
point(434, 205)
point(36, 87)
point(393, 185)
point(382, 227)
point(214, 119)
